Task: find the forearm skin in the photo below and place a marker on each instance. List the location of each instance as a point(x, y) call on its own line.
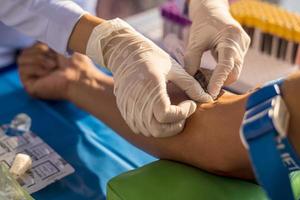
point(82, 31)
point(210, 140)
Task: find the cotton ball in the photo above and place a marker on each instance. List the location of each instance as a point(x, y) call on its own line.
point(21, 164)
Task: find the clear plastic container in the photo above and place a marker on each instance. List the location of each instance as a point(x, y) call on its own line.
point(9, 187)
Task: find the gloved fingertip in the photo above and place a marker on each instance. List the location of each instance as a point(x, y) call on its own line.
point(206, 98)
point(213, 93)
point(214, 97)
point(188, 105)
point(201, 97)
point(214, 88)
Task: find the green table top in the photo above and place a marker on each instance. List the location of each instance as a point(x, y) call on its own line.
point(166, 180)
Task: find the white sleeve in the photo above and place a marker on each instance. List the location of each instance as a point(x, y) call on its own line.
point(49, 21)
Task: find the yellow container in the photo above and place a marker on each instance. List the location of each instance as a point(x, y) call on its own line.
point(267, 17)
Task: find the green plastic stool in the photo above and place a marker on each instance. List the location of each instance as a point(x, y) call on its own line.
point(166, 180)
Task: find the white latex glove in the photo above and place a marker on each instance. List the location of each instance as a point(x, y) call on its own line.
point(214, 29)
point(141, 71)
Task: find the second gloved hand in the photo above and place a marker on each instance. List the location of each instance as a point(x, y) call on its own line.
point(213, 28)
point(141, 71)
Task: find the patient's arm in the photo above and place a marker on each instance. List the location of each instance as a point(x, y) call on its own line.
point(210, 139)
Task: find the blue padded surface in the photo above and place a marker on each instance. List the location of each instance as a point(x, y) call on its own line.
point(95, 151)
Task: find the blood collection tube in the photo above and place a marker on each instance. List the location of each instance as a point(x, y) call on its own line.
point(275, 41)
point(181, 26)
point(297, 60)
point(249, 30)
point(172, 18)
point(280, 32)
point(282, 48)
point(166, 21)
point(294, 54)
point(186, 30)
point(180, 5)
point(257, 39)
point(251, 20)
point(186, 8)
point(289, 51)
point(268, 36)
point(267, 43)
point(177, 26)
point(273, 30)
point(288, 34)
point(296, 36)
point(168, 13)
point(275, 46)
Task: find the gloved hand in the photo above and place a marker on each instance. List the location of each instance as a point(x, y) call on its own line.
point(213, 28)
point(141, 71)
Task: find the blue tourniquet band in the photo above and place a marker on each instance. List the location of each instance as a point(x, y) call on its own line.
point(272, 156)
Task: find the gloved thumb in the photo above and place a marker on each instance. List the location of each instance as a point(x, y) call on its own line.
point(172, 113)
point(173, 126)
point(188, 84)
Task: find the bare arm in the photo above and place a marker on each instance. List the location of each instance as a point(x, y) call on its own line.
point(81, 33)
point(209, 141)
